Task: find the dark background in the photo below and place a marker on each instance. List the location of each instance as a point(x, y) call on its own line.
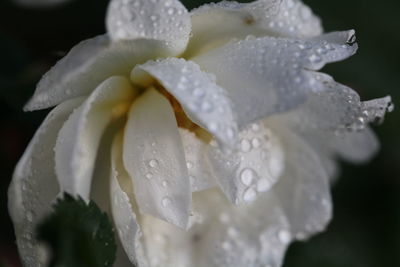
point(365, 231)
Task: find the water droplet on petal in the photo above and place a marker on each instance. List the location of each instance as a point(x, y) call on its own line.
point(166, 201)
point(263, 185)
point(245, 145)
point(284, 236)
point(247, 176)
point(249, 195)
point(153, 163)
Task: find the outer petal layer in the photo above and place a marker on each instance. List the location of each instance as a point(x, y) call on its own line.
point(78, 140)
point(221, 235)
point(154, 158)
point(88, 64)
point(204, 102)
point(34, 185)
point(335, 120)
point(271, 75)
point(252, 168)
point(303, 189)
point(216, 24)
point(122, 208)
point(160, 20)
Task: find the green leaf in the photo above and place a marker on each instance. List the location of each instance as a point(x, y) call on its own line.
point(78, 234)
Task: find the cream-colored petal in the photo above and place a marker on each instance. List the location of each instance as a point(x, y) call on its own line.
point(123, 212)
point(88, 64)
point(197, 161)
point(34, 185)
point(154, 158)
point(336, 120)
point(78, 140)
point(269, 75)
point(252, 168)
point(214, 25)
point(303, 189)
point(204, 102)
point(163, 20)
point(221, 234)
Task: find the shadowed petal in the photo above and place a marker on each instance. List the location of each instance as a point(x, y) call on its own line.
point(34, 185)
point(78, 140)
point(204, 102)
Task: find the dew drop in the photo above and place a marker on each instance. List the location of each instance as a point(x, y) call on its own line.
point(153, 163)
point(29, 216)
point(263, 185)
point(166, 201)
point(149, 175)
point(284, 236)
point(249, 195)
point(247, 176)
point(226, 245)
point(189, 165)
point(256, 142)
point(245, 145)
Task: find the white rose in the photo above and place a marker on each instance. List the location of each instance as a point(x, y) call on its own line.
point(210, 135)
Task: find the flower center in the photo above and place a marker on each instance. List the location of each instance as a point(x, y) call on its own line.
point(181, 118)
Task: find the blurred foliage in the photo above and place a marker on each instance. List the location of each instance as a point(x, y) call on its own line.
point(78, 234)
point(365, 231)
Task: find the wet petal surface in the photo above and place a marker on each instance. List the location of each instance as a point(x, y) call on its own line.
point(154, 158)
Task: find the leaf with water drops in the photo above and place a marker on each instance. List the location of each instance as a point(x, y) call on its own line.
point(78, 234)
point(276, 69)
point(163, 20)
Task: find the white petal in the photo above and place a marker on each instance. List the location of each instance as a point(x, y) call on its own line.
point(204, 102)
point(78, 140)
point(335, 118)
point(34, 185)
point(252, 168)
point(122, 208)
point(199, 169)
point(270, 75)
point(357, 147)
point(293, 18)
point(303, 189)
point(222, 235)
point(216, 24)
point(161, 20)
point(87, 65)
point(154, 158)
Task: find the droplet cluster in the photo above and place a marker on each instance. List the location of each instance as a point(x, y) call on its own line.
point(205, 103)
point(154, 19)
point(255, 164)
